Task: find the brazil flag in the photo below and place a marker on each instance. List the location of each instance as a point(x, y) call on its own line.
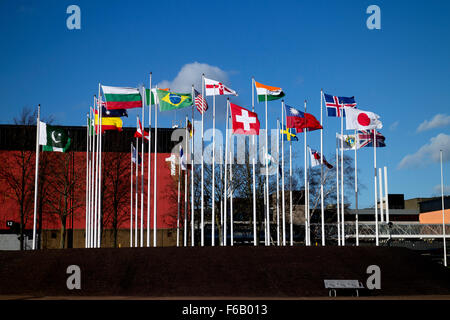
point(172, 100)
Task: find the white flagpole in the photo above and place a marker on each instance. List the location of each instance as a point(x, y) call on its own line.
point(225, 191)
point(375, 185)
point(186, 187)
point(99, 221)
point(221, 200)
point(356, 187)
point(86, 237)
point(213, 187)
point(342, 180)
point(136, 196)
point(131, 196)
point(267, 183)
point(92, 187)
point(278, 182)
point(338, 212)
point(380, 186)
point(202, 216)
point(88, 187)
point(36, 174)
point(305, 193)
point(155, 175)
point(178, 199)
point(149, 161)
point(192, 172)
point(290, 194)
point(254, 169)
point(231, 196)
point(97, 195)
point(443, 211)
point(322, 208)
point(142, 167)
point(283, 199)
point(386, 194)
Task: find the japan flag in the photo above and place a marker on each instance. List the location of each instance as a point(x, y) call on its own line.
point(361, 120)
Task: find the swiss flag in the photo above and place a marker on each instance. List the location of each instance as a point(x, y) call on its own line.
point(244, 121)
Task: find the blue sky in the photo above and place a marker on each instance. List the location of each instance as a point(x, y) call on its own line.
point(401, 72)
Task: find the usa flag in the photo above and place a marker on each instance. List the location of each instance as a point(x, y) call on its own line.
point(200, 102)
point(335, 105)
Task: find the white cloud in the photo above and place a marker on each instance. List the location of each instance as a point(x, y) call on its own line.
point(428, 153)
point(191, 74)
point(438, 121)
point(394, 126)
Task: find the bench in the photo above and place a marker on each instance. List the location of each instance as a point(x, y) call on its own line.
point(334, 285)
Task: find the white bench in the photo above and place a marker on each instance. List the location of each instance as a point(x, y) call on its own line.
point(333, 285)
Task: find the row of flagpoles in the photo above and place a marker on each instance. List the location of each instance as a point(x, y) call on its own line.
point(244, 122)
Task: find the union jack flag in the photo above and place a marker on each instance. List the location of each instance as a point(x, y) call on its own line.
point(200, 102)
point(336, 104)
point(366, 139)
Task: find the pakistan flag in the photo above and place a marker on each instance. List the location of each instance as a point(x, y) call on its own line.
point(53, 138)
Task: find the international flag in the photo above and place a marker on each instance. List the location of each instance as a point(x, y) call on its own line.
point(109, 123)
point(200, 102)
point(288, 134)
point(114, 112)
point(189, 128)
point(335, 105)
point(122, 98)
point(154, 96)
point(300, 120)
point(182, 159)
point(172, 100)
point(244, 121)
point(357, 119)
point(216, 88)
point(315, 159)
point(53, 138)
point(366, 139)
point(133, 155)
point(349, 141)
point(272, 93)
point(138, 133)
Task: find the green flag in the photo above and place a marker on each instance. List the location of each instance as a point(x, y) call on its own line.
point(53, 138)
point(172, 100)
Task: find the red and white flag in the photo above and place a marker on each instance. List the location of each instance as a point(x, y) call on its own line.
point(361, 120)
point(244, 121)
point(215, 88)
point(138, 133)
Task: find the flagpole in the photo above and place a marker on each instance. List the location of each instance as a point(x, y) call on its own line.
point(36, 175)
point(386, 194)
point(278, 182)
point(254, 169)
point(380, 187)
point(86, 228)
point(136, 196)
point(338, 212)
point(149, 166)
point(267, 182)
point(356, 187)
point(192, 171)
point(231, 195)
point(178, 198)
point(290, 194)
point(97, 176)
point(202, 216)
point(375, 185)
point(221, 199)
point(100, 175)
point(92, 187)
point(283, 203)
point(225, 193)
point(305, 194)
point(185, 187)
point(213, 197)
point(142, 168)
point(342, 180)
point(322, 209)
point(131, 195)
point(155, 172)
point(443, 211)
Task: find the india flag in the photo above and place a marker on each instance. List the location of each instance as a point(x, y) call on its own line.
point(122, 98)
point(272, 93)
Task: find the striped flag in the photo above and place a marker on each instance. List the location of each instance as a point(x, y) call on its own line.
point(200, 102)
